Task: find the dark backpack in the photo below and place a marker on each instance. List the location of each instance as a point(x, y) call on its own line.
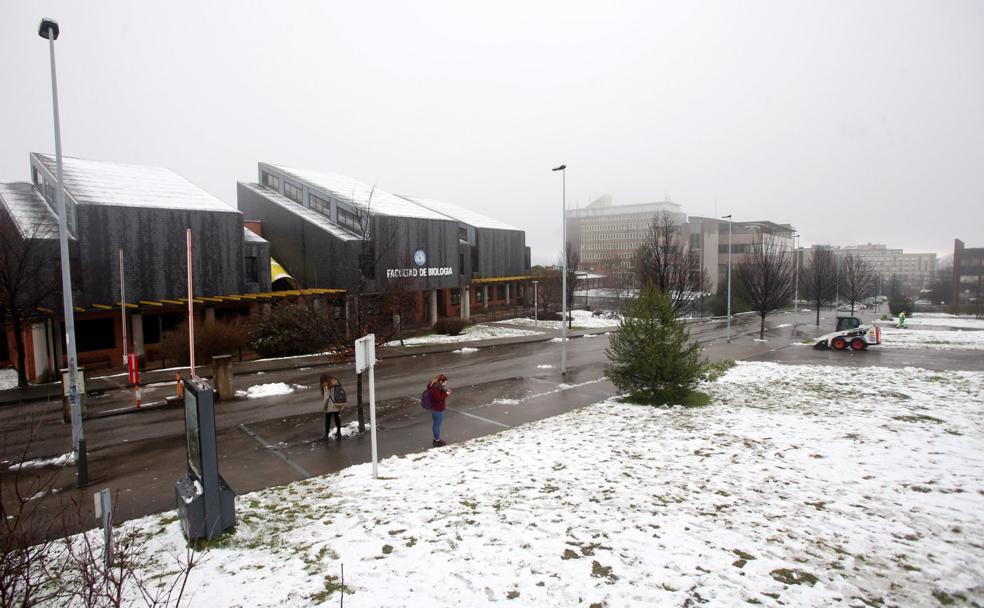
point(338, 394)
point(425, 399)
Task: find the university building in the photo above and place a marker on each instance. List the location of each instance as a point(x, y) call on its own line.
point(296, 233)
point(607, 237)
point(331, 231)
point(968, 278)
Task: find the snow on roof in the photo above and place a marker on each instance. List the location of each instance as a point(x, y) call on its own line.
point(251, 237)
point(308, 214)
point(465, 216)
point(29, 210)
point(358, 193)
point(92, 182)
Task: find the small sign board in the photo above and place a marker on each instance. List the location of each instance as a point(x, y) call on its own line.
point(365, 353)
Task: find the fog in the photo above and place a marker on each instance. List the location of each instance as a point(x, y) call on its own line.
point(855, 122)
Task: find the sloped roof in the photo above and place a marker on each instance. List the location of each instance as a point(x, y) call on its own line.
point(358, 193)
point(28, 209)
point(465, 216)
point(300, 210)
point(93, 182)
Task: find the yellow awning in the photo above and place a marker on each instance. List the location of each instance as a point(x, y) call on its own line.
point(278, 272)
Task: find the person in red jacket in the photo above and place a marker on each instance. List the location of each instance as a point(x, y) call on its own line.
point(439, 392)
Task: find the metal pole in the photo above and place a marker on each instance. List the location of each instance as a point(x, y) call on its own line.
point(372, 417)
point(78, 433)
point(191, 311)
point(796, 275)
point(535, 317)
point(123, 307)
point(563, 279)
point(729, 277)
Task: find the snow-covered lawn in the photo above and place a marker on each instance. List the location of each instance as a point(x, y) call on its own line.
point(797, 486)
point(272, 389)
point(917, 337)
point(473, 332)
point(8, 378)
point(938, 319)
point(583, 319)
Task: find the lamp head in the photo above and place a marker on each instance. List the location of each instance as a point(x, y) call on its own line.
point(560, 168)
point(726, 217)
point(48, 29)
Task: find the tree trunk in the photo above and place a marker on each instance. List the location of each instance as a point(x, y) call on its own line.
point(762, 328)
point(818, 314)
point(19, 344)
point(358, 402)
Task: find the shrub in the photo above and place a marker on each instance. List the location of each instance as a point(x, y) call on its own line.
point(450, 326)
point(218, 338)
point(292, 328)
point(651, 356)
point(713, 371)
point(898, 304)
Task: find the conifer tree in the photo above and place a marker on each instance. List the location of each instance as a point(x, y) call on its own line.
point(651, 356)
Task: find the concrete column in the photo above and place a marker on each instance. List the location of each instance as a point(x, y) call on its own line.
point(433, 306)
point(209, 315)
point(348, 325)
point(463, 303)
point(507, 293)
point(136, 327)
point(222, 377)
point(485, 296)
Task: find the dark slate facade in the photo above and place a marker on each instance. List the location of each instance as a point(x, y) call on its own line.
point(308, 220)
point(146, 211)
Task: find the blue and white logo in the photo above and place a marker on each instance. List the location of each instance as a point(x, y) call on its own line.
point(420, 258)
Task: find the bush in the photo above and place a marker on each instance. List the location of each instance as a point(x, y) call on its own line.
point(898, 304)
point(713, 371)
point(289, 329)
point(450, 326)
point(219, 338)
point(651, 356)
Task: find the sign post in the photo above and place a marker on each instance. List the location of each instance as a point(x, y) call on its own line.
point(365, 358)
point(104, 513)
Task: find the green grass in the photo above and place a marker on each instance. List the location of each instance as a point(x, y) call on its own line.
point(793, 577)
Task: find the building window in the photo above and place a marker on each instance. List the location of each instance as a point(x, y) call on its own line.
point(461, 263)
point(252, 270)
point(479, 293)
point(319, 204)
point(95, 334)
point(455, 297)
point(349, 220)
point(474, 260)
point(271, 181)
point(462, 233)
point(500, 292)
point(293, 192)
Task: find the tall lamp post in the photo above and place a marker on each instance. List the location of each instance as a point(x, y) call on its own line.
point(535, 290)
point(796, 278)
point(728, 217)
point(49, 30)
point(563, 276)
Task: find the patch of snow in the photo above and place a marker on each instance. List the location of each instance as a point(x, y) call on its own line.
point(273, 389)
point(759, 340)
point(466, 350)
point(470, 334)
point(56, 461)
point(582, 319)
point(8, 378)
point(916, 337)
point(545, 366)
point(940, 320)
point(506, 402)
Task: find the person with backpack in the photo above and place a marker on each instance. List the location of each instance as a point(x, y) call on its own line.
point(437, 393)
point(331, 390)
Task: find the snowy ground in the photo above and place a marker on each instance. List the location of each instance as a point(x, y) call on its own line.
point(8, 378)
point(583, 319)
point(273, 389)
point(797, 486)
point(935, 331)
point(473, 332)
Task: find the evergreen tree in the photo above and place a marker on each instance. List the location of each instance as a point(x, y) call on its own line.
point(650, 355)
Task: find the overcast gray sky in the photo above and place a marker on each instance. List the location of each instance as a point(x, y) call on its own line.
point(854, 121)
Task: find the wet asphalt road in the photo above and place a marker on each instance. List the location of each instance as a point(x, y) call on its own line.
point(276, 440)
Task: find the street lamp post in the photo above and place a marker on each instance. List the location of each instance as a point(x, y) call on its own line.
point(796, 289)
point(535, 318)
point(49, 30)
point(728, 217)
point(563, 276)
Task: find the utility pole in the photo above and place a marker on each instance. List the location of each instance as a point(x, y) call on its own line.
point(728, 217)
point(563, 276)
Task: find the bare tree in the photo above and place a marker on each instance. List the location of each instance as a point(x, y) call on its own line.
point(856, 279)
point(819, 279)
point(765, 277)
point(28, 278)
point(666, 263)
